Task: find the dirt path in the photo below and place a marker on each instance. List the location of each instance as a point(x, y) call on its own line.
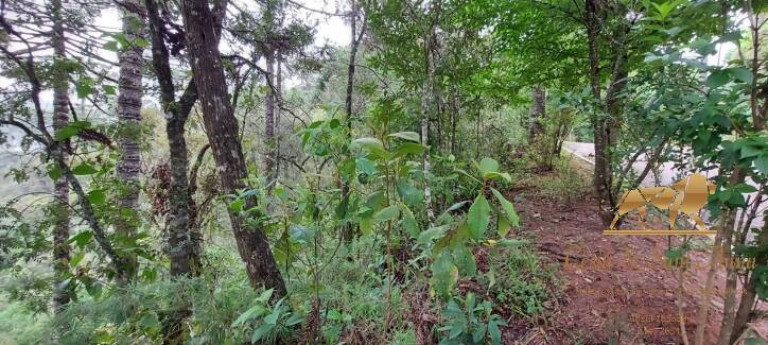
point(616, 288)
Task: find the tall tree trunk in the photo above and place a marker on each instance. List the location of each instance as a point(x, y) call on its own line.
point(427, 102)
point(129, 120)
point(279, 130)
point(183, 233)
point(269, 124)
point(222, 128)
point(538, 103)
point(605, 118)
point(62, 292)
point(601, 179)
point(347, 231)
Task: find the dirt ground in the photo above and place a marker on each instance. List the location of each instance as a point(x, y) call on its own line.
point(617, 289)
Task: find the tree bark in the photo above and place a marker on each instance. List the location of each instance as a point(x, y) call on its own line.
point(601, 179)
point(748, 295)
point(222, 128)
point(538, 98)
point(347, 230)
point(269, 125)
point(62, 292)
point(427, 100)
point(184, 237)
point(129, 120)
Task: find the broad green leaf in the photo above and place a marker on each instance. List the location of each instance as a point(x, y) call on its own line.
point(77, 258)
point(488, 165)
point(84, 169)
point(433, 233)
point(81, 239)
point(478, 217)
point(386, 214)
point(444, 274)
point(742, 74)
point(718, 78)
point(761, 163)
point(410, 194)
point(503, 226)
point(365, 165)
point(407, 148)
point(410, 224)
point(509, 209)
point(369, 144)
point(71, 129)
point(465, 261)
point(97, 196)
point(751, 151)
point(260, 332)
point(410, 136)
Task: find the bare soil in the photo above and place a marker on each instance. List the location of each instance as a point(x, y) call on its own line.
point(617, 289)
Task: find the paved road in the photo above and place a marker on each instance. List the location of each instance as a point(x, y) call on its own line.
point(667, 173)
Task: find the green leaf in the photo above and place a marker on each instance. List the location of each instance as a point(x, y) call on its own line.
point(488, 165)
point(365, 165)
point(761, 163)
point(369, 144)
point(386, 214)
point(260, 332)
point(76, 259)
point(509, 209)
point(742, 74)
point(141, 43)
point(237, 205)
point(503, 226)
point(84, 87)
point(109, 89)
point(111, 46)
point(71, 129)
point(751, 151)
point(465, 261)
point(433, 233)
point(55, 172)
point(410, 224)
point(410, 194)
point(410, 136)
point(718, 78)
point(478, 217)
point(81, 239)
point(408, 148)
point(97, 196)
point(84, 169)
point(444, 274)
point(265, 296)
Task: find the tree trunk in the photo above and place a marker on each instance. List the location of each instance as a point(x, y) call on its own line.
point(427, 101)
point(62, 293)
point(222, 128)
point(748, 295)
point(184, 238)
point(183, 233)
point(538, 103)
point(347, 230)
point(129, 120)
point(601, 179)
point(269, 125)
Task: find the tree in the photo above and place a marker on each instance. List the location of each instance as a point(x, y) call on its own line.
point(347, 230)
point(62, 292)
point(129, 120)
point(222, 128)
point(538, 104)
